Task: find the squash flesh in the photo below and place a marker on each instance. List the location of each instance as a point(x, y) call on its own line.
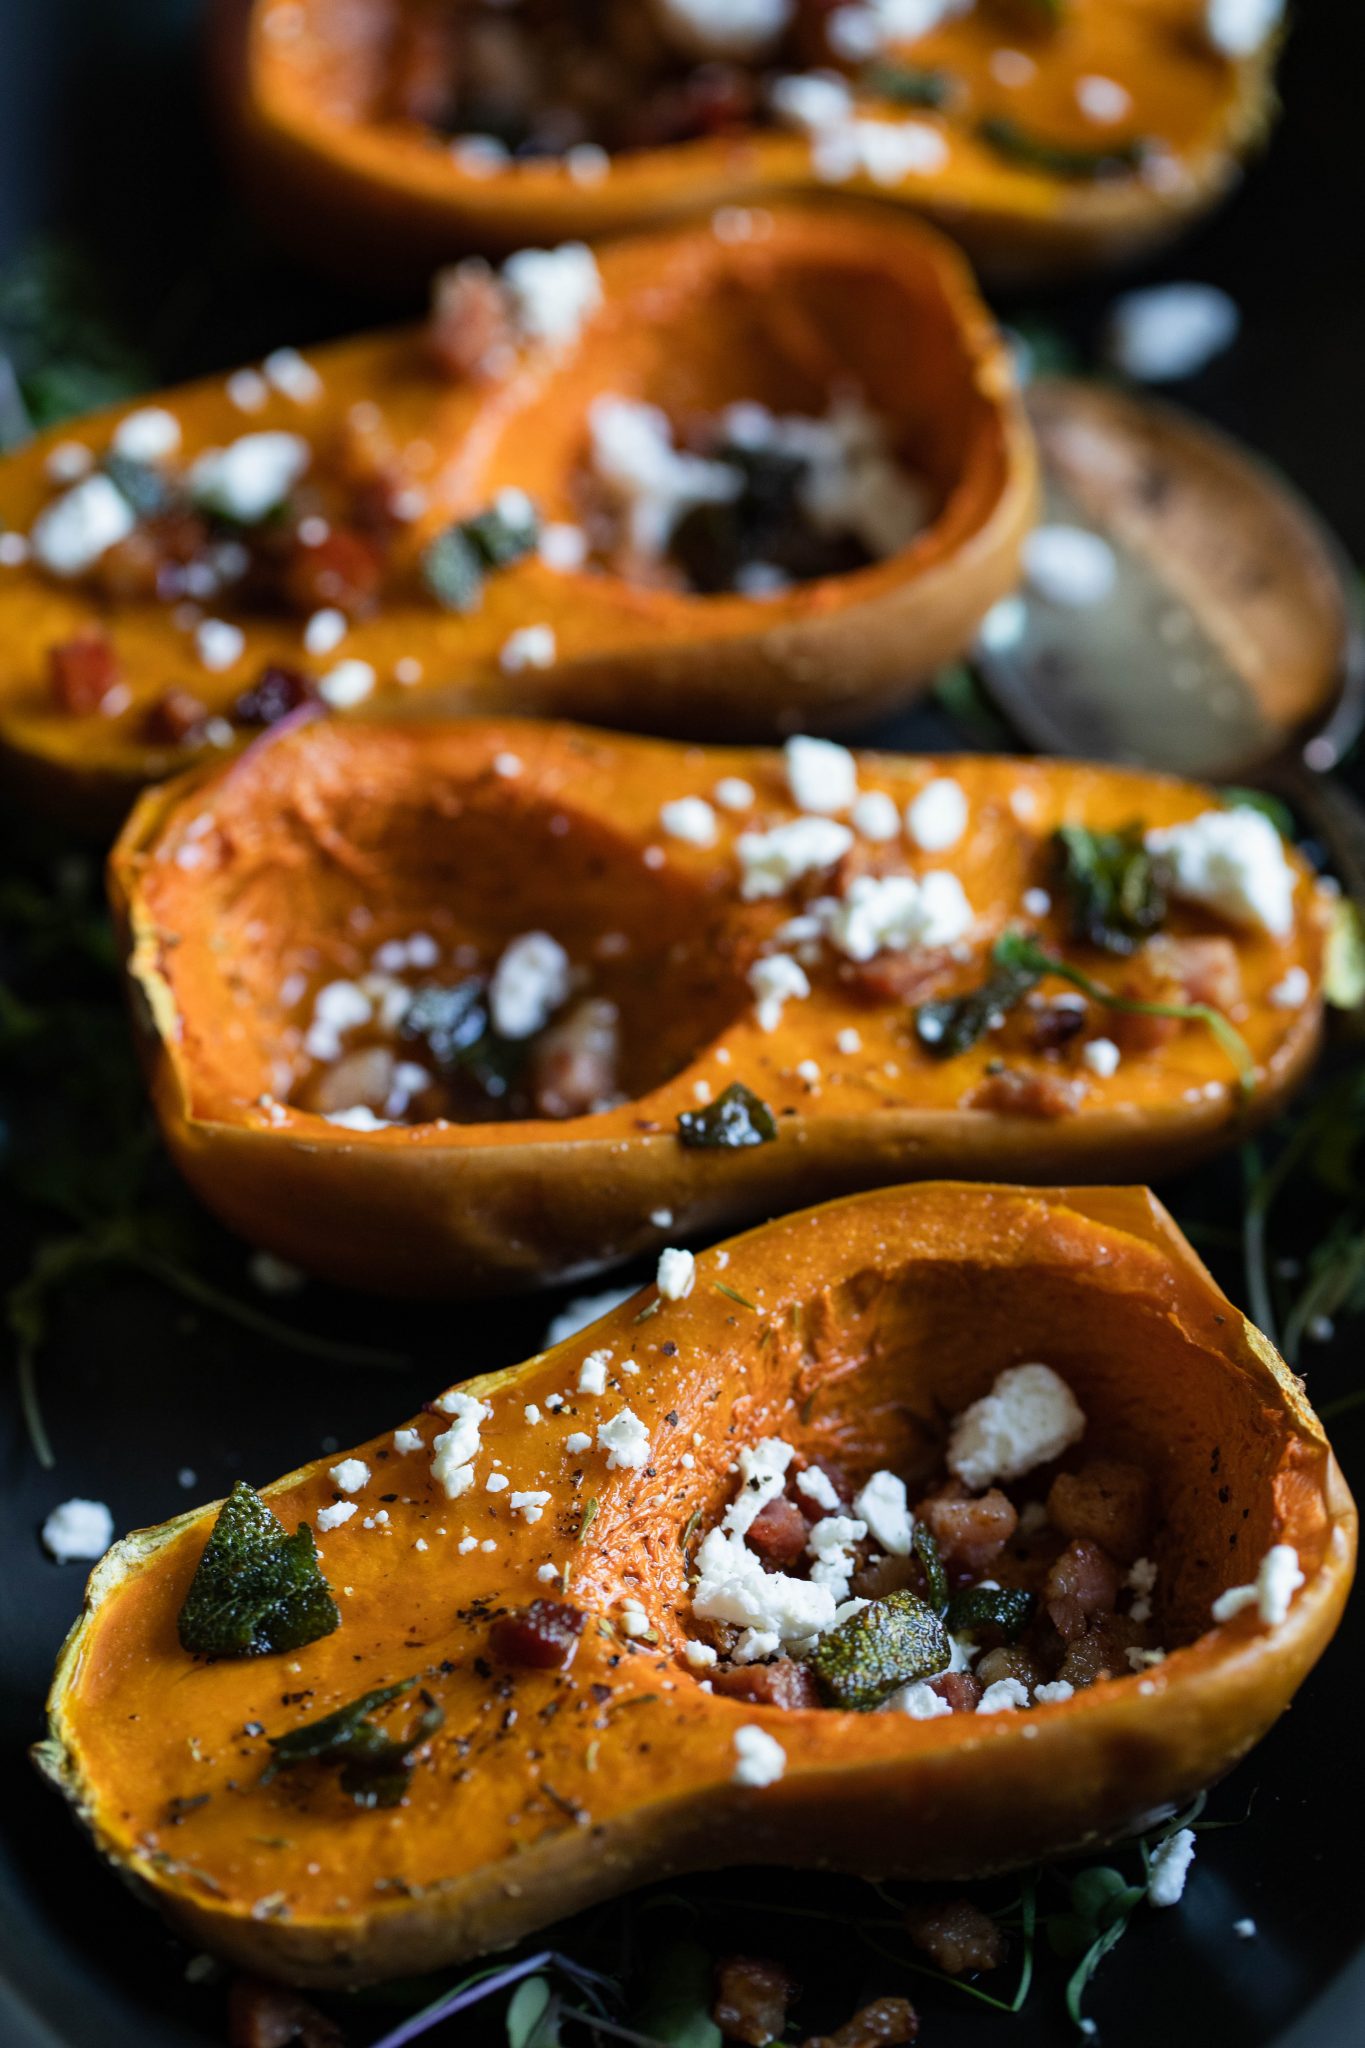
point(875, 1318)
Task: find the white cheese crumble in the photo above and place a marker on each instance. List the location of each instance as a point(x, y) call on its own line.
point(324, 631)
point(148, 435)
point(1102, 1057)
point(771, 861)
point(761, 1759)
point(1292, 990)
point(496, 1482)
point(699, 1655)
point(776, 979)
point(528, 647)
point(919, 1701)
point(592, 1375)
point(532, 1503)
point(79, 1531)
point(874, 816)
point(406, 1441)
point(821, 775)
point(832, 1545)
point(1069, 566)
point(893, 913)
point(816, 1486)
point(653, 483)
point(741, 29)
point(1170, 1867)
point(1103, 100)
point(332, 1517)
point(848, 1041)
point(1170, 331)
point(577, 1442)
point(293, 376)
point(690, 819)
point(530, 982)
point(676, 1274)
point(349, 683)
point(250, 477)
point(68, 461)
point(547, 1573)
point(71, 533)
point(625, 1440)
point(1003, 1697)
point(218, 643)
point(882, 1505)
point(733, 793)
point(1277, 1581)
point(553, 291)
point(1237, 28)
point(937, 818)
point(1059, 1689)
point(454, 1450)
point(350, 1475)
point(1029, 1417)
point(1234, 863)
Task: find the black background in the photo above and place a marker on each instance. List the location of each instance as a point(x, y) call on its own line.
point(103, 135)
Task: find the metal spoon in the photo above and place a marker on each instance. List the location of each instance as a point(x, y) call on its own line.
point(1230, 646)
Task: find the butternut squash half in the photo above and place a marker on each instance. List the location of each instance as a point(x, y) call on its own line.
point(852, 1333)
point(340, 528)
point(654, 927)
point(1045, 137)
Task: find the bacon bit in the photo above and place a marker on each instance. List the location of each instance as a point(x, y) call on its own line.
point(969, 1532)
point(470, 332)
point(1013, 1093)
point(896, 977)
point(956, 1936)
point(145, 564)
point(751, 2000)
point(83, 671)
point(1082, 1584)
point(1106, 1501)
point(959, 1688)
point(269, 2016)
point(783, 1684)
point(274, 694)
point(344, 570)
point(883, 2024)
point(778, 1533)
point(573, 1067)
point(1049, 1026)
point(1207, 970)
point(543, 1636)
point(174, 718)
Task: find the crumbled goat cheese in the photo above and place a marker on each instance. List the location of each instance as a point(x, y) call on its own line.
point(882, 1505)
point(741, 29)
point(78, 1531)
point(293, 376)
point(894, 913)
point(582, 1310)
point(1277, 1581)
point(848, 1041)
point(850, 481)
point(771, 861)
point(762, 1477)
point(577, 1442)
point(361, 1118)
point(937, 818)
point(148, 435)
point(349, 683)
point(1292, 990)
point(547, 1573)
point(71, 533)
point(1170, 1867)
point(1003, 1697)
point(875, 817)
point(754, 1645)
point(1059, 1689)
point(530, 982)
point(699, 1655)
point(1141, 1581)
point(733, 793)
point(676, 1274)
point(247, 390)
point(816, 1486)
point(832, 1545)
point(332, 1517)
point(218, 643)
point(496, 1482)
point(454, 1450)
point(1102, 1057)
point(1170, 331)
point(732, 1586)
point(691, 819)
point(350, 1475)
point(761, 1759)
point(654, 483)
point(625, 1440)
point(1103, 100)
point(1070, 566)
point(821, 775)
point(532, 1503)
point(562, 547)
point(1029, 1417)
point(553, 291)
point(919, 1701)
point(1237, 28)
point(406, 1441)
point(324, 631)
point(592, 1375)
point(1234, 863)
point(528, 647)
point(249, 478)
point(776, 979)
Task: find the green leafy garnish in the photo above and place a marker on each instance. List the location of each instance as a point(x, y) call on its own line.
point(924, 1546)
point(907, 85)
point(677, 2006)
point(890, 1643)
point(1060, 159)
point(735, 1119)
point(376, 1768)
point(1005, 1608)
point(955, 1023)
point(456, 564)
point(1116, 890)
point(256, 1589)
point(454, 1027)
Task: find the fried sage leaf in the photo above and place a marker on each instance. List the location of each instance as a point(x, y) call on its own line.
point(1116, 890)
point(907, 85)
point(456, 564)
point(1005, 1608)
point(1060, 159)
point(954, 1024)
point(376, 1767)
point(256, 1589)
point(735, 1119)
point(888, 1644)
point(925, 1547)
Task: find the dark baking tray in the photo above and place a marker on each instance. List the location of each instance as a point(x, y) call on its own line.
point(102, 133)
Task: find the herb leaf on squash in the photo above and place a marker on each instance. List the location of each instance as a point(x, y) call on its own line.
point(256, 1589)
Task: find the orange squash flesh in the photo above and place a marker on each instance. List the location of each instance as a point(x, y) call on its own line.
point(299, 86)
point(687, 322)
point(874, 1320)
point(326, 841)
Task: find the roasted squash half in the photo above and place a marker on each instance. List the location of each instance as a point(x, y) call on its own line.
point(164, 645)
point(243, 896)
point(1045, 137)
point(863, 1326)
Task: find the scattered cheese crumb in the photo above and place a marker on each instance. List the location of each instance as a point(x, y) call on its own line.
point(1102, 1057)
point(1276, 1583)
point(1233, 862)
point(676, 1274)
point(592, 1374)
point(530, 982)
point(528, 647)
point(625, 1440)
point(406, 1441)
point(733, 793)
point(937, 817)
point(690, 819)
point(875, 816)
point(1029, 1417)
point(349, 683)
point(1003, 1697)
point(78, 1531)
point(761, 1759)
point(1170, 1867)
point(821, 775)
point(1170, 331)
point(332, 1517)
point(699, 1655)
point(350, 1475)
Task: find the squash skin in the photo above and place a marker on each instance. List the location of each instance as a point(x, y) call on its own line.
point(911, 1300)
point(389, 203)
point(478, 1208)
point(687, 321)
